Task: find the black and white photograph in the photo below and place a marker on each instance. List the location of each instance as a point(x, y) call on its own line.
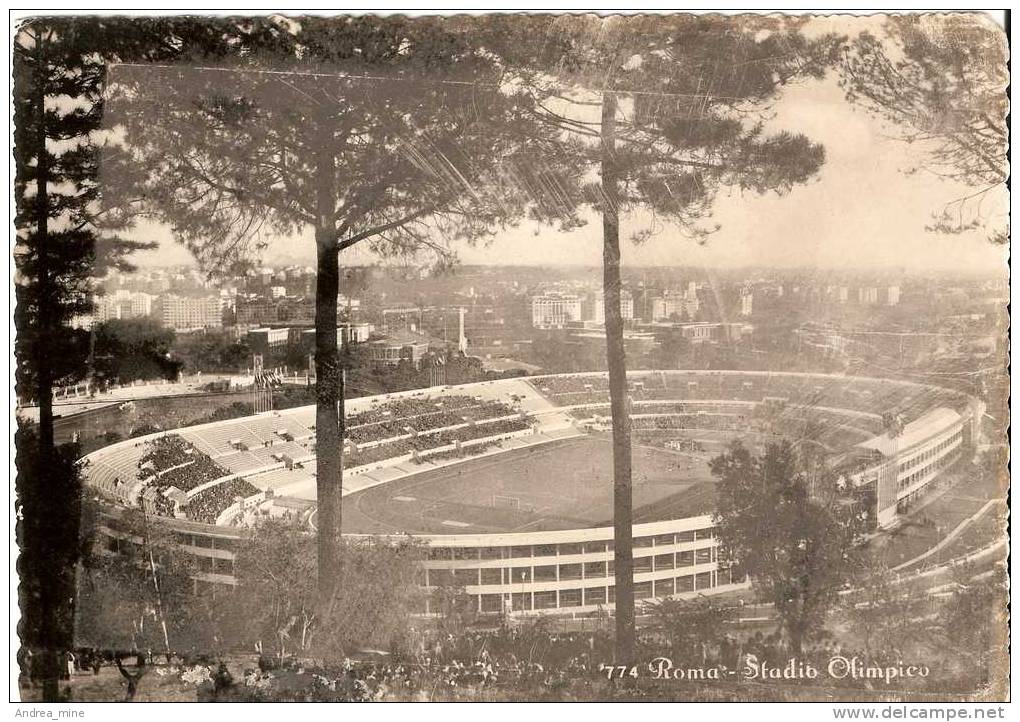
point(506, 356)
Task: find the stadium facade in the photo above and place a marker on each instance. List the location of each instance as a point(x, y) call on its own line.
point(888, 441)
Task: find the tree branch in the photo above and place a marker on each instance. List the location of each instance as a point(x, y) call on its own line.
point(351, 240)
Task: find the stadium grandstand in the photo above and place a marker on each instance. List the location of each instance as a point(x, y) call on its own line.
point(509, 484)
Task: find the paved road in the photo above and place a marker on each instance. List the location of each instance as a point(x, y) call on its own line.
point(71, 405)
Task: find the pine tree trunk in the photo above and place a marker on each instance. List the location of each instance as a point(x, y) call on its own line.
point(44, 378)
point(329, 376)
point(48, 605)
point(617, 362)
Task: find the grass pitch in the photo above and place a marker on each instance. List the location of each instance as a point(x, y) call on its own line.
point(562, 485)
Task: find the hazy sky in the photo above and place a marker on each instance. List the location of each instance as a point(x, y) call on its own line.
point(861, 211)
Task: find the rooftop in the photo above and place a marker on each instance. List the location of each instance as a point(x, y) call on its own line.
point(401, 337)
point(913, 433)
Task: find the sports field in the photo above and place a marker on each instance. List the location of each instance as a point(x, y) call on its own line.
point(562, 485)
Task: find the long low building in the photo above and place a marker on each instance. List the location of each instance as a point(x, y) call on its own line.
point(572, 570)
point(911, 458)
point(510, 488)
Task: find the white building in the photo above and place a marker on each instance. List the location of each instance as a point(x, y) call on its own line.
point(671, 304)
point(555, 310)
point(746, 303)
point(106, 309)
point(345, 333)
point(355, 332)
point(123, 304)
point(345, 302)
point(267, 340)
point(913, 456)
point(867, 294)
point(183, 313)
point(892, 297)
point(708, 331)
point(141, 304)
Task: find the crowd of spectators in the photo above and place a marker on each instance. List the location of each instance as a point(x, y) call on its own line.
point(485, 410)
point(208, 504)
point(575, 398)
point(662, 408)
point(367, 433)
point(467, 433)
point(163, 453)
point(472, 450)
point(171, 461)
point(159, 505)
point(391, 429)
point(801, 421)
point(400, 417)
point(434, 440)
point(868, 395)
point(603, 409)
point(560, 385)
point(589, 412)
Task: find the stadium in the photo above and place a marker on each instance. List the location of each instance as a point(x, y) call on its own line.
point(509, 482)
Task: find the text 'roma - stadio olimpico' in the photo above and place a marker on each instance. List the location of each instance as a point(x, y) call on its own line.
point(510, 482)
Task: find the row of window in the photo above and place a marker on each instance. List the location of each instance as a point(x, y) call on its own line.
point(500, 575)
point(932, 452)
point(205, 541)
point(593, 596)
point(214, 565)
point(565, 572)
point(924, 471)
point(905, 504)
point(567, 549)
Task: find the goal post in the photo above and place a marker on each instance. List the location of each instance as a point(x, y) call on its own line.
point(506, 502)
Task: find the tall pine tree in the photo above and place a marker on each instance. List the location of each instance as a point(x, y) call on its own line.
point(388, 133)
point(666, 111)
point(55, 89)
point(64, 242)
